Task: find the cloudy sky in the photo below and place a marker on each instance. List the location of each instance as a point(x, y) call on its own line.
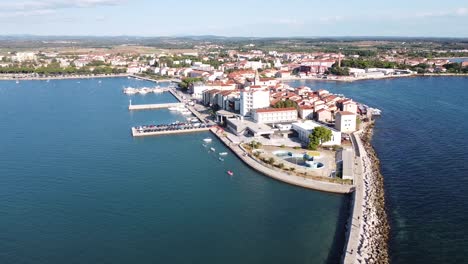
point(256, 18)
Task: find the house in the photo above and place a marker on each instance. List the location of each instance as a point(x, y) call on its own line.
point(345, 122)
point(283, 74)
point(306, 112)
point(306, 128)
point(275, 115)
point(348, 106)
point(324, 115)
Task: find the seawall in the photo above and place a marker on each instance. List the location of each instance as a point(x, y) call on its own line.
point(368, 228)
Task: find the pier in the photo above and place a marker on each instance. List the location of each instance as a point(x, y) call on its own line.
point(154, 106)
point(175, 128)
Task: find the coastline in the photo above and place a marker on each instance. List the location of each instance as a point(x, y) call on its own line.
point(352, 79)
point(9, 77)
point(369, 226)
point(281, 176)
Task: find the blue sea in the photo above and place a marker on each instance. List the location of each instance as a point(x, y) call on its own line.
point(421, 140)
point(75, 187)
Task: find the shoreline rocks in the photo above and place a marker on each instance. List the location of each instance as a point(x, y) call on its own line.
point(375, 229)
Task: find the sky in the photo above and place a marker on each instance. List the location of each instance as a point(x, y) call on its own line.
point(247, 18)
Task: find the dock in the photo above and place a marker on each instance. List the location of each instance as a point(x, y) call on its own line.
point(154, 106)
point(175, 128)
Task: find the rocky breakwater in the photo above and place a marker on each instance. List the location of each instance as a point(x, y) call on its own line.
point(374, 235)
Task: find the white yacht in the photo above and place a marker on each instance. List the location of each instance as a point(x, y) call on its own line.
point(207, 140)
point(143, 91)
point(130, 90)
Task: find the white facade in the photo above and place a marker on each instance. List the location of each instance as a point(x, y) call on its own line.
point(345, 122)
point(197, 90)
point(24, 56)
point(306, 128)
point(275, 115)
point(251, 99)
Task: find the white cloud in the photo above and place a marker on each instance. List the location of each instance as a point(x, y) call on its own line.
point(34, 8)
point(462, 11)
point(54, 4)
point(288, 21)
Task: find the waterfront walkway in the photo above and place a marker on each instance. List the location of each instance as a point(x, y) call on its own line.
point(282, 176)
point(354, 224)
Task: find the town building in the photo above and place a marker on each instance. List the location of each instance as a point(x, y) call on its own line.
point(345, 122)
point(275, 115)
point(306, 128)
point(24, 56)
point(253, 98)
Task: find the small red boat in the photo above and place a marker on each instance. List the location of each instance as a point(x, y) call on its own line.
point(230, 172)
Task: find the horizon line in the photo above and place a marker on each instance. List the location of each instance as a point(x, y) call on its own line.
point(221, 36)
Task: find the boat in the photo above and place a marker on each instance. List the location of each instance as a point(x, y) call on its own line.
point(143, 91)
point(213, 149)
point(204, 145)
point(223, 153)
point(157, 90)
point(130, 90)
point(17, 81)
point(220, 159)
point(186, 112)
point(207, 140)
point(230, 173)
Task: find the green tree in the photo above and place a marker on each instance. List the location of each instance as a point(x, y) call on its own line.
point(318, 136)
point(185, 84)
point(285, 104)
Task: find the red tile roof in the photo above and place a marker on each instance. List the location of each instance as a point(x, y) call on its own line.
point(267, 110)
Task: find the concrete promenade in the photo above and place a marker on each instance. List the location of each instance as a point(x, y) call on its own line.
point(191, 108)
point(282, 176)
point(154, 106)
point(354, 224)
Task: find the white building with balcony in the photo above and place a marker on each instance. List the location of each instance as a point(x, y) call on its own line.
point(253, 98)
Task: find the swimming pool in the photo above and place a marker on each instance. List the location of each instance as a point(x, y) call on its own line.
point(298, 159)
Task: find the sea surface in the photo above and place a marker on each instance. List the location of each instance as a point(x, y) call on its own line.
point(75, 187)
point(421, 140)
point(461, 59)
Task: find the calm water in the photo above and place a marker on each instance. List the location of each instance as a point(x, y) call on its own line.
point(458, 59)
point(421, 142)
point(75, 187)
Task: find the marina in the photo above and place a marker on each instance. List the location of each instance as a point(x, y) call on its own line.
point(144, 90)
point(174, 128)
